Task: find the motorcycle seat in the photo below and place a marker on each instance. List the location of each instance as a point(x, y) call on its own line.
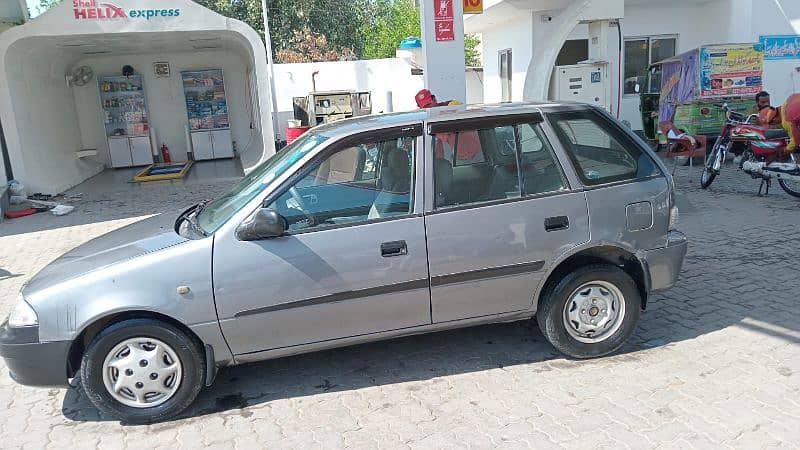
point(776, 133)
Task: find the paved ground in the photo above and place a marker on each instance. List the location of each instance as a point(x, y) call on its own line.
point(715, 362)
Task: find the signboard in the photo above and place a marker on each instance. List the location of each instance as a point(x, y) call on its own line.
point(94, 10)
point(730, 70)
point(473, 6)
point(443, 20)
point(781, 47)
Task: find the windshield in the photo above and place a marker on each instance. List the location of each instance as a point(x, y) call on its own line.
point(217, 212)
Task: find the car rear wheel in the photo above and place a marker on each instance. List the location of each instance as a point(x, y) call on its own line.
point(142, 371)
point(591, 312)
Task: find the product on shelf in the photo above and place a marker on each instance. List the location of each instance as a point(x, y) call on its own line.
point(206, 105)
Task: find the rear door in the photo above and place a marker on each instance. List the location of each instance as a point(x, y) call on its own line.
point(488, 252)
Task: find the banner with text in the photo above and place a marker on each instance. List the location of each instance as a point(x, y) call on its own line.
point(731, 69)
point(781, 47)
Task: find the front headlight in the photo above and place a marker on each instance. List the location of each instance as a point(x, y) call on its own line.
point(22, 315)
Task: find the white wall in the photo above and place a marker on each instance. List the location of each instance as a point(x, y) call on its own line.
point(474, 86)
point(377, 76)
point(46, 121)
point(165, 99)
point(518, 36)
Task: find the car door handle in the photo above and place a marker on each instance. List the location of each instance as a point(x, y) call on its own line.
point(394, 248)
point(556, 223)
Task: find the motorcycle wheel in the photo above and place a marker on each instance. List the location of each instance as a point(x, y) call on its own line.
point(791, 187)
point(708, 175)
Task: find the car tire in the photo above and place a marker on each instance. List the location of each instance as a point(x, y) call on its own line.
point(590, 289)
point(171, 353)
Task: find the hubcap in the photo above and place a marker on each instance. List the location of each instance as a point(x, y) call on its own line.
point(142, 372)
point(594, 312)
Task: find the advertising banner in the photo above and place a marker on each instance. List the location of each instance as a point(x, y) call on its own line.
point(731, 70)
point(781, 47)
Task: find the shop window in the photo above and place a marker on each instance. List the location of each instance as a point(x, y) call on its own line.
point(639, 54)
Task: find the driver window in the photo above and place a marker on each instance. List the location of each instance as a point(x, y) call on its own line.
point(366, 181)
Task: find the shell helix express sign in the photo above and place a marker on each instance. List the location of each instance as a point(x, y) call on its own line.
point(94, 10)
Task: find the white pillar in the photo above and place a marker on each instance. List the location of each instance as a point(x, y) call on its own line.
point(546, 45)
point(444, 60)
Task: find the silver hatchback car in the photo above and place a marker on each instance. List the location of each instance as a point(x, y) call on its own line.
point(363, 230)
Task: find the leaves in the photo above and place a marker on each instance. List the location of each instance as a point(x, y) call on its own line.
point(307, 46)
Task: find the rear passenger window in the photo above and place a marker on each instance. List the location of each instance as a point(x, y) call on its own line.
point(475, 166)
point(540, 171)
point(468, 148)
point(600, 152)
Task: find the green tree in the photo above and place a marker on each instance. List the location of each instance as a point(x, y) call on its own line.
point(391, 22)
point(472, 57)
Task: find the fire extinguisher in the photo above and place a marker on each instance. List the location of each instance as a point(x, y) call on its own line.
point(165, 153)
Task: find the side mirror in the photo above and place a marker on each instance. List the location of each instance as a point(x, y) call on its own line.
point(637, 88)
point(265, 224)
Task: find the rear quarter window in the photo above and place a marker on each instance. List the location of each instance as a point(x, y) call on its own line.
point(600, 152)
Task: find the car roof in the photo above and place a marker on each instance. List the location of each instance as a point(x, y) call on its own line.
point(438, 114)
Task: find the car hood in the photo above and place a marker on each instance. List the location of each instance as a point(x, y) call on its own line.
point(146, 236)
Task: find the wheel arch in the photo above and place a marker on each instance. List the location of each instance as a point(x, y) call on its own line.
point(611, 254)
point(89, 332)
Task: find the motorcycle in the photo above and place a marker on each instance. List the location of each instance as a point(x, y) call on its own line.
point(764, 156)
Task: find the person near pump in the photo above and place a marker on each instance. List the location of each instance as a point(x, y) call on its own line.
point(426, 99)
point(788, 116)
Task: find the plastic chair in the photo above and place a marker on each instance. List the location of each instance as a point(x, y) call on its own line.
point(677, 147)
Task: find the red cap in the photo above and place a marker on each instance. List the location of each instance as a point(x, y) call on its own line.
point(424, 98)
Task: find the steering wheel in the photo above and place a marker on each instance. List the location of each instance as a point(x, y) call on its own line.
point(312, 219)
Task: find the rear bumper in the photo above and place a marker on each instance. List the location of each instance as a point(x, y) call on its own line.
point(31, 362)
point(664, 264)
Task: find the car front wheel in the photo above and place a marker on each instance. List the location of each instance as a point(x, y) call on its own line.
point(591, 312)
point(142, 371)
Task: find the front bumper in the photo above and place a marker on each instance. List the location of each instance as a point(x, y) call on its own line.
point(664, 264)
point(31, 362)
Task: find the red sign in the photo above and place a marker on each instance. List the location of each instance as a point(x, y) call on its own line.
point(443, 20)
point(444, 30)
point(443, 9)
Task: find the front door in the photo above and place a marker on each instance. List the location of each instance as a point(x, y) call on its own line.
point(488, 250)
point(354, 261)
